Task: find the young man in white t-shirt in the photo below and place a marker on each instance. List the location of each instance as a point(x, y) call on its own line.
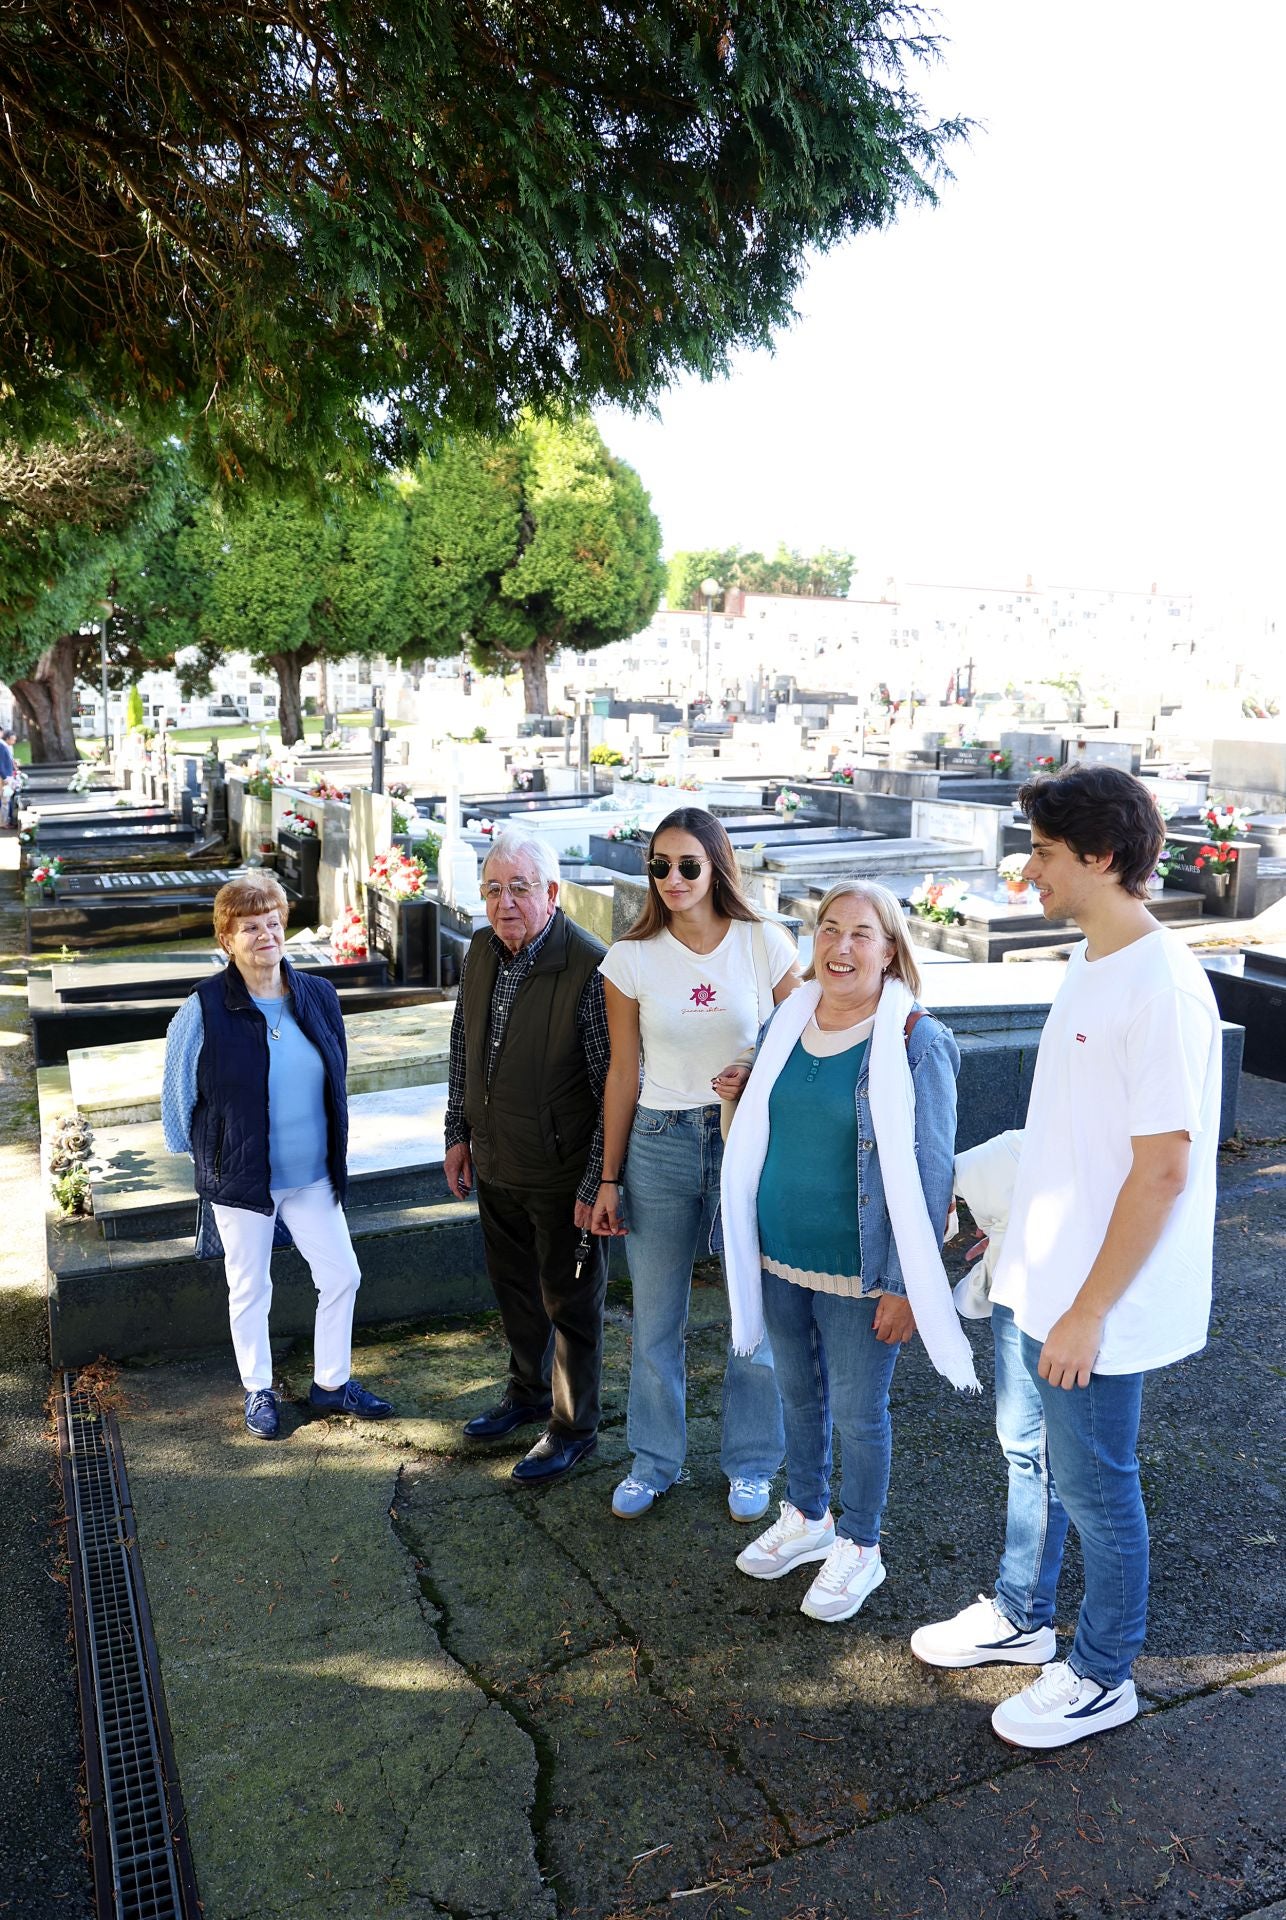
point(1105, 1271)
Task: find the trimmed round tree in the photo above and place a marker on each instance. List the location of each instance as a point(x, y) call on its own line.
point(523, 545)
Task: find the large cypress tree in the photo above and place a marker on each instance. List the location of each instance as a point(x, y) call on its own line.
point(322, 230)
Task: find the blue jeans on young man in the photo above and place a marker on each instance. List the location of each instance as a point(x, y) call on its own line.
point(670, 1193)
point(831, 1369)
point(1036, 1520)
point(1085, 1440)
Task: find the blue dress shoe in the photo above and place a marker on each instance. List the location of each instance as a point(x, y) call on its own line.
point(351, 1398)
point(261, 1414)
point(552, 1455)
point(498, 1421)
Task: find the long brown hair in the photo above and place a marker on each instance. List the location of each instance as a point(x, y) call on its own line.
point(730, 903)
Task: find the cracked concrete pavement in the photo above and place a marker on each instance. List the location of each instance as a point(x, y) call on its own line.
point(402, 1684)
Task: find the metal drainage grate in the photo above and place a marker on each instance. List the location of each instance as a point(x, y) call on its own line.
point(142, 1868)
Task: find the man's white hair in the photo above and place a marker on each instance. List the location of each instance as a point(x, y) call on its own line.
point(514, 844)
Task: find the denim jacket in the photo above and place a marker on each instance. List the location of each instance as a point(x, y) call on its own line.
point(934, 1060)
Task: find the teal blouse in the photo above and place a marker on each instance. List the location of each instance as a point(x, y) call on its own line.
point(808, 1187)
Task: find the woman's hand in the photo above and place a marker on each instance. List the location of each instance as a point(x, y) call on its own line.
point(607, 1211)
point(730, 1082)
point(894, 1320)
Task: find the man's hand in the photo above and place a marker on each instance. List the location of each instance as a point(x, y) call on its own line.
point(458, 1167)
point(583, 1216)
point(730, 1083)
point(894, 1320)
point(1071, 1348)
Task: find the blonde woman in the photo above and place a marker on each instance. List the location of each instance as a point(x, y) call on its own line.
point(837, 1186)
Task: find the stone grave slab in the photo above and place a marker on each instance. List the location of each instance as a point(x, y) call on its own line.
point(395, 1154)
point(1250, 988)
point(82, 1008)
point(396, 1047)
point(992, 928)
point(107, 909)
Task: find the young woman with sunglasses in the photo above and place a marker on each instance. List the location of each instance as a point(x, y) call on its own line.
point(689, 985)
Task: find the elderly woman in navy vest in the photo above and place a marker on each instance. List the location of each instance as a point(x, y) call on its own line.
point(255, 1091)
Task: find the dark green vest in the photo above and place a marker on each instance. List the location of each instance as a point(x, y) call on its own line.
point(532, 1127)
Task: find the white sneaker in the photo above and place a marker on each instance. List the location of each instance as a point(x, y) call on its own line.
point(850, 1573)
point(981, 1633)
point(791, 1541)
point(1062, 1707)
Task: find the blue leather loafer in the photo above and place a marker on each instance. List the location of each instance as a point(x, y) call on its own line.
point(261, 1414)
point(552, 1455)
point(496, 1422)
point(352, 1398)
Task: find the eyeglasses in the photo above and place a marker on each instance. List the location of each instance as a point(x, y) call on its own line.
point(689, 866)
point(518, 890)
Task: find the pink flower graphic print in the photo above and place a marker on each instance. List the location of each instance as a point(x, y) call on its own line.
point(703, 996)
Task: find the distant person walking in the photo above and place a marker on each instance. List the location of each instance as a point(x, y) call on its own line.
point(1105, 1270)
point(8, 778)
point(255, 1090)
point(529, 1052)
point(690, 984)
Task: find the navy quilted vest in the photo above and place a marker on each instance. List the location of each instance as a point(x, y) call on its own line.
point(230, 1119)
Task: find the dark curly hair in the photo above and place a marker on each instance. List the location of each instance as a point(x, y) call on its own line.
point(1097, 810)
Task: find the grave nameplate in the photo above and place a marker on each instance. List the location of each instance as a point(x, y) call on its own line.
point(405, 932)
point(1230, 894)
point(297, 868)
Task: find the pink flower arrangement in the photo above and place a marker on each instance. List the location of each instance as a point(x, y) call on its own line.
point(348, 941)
point(402, 876)
point(320, 788)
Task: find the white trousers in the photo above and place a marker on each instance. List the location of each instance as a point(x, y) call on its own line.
point(320, 1231)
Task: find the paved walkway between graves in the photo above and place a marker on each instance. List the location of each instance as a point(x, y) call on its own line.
point(401, 1685)
point(42, 1866)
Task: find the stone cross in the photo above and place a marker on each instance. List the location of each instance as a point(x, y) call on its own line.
point(457, 861)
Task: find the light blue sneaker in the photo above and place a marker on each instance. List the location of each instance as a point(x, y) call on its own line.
point(748, 1499)
point(633, 1498)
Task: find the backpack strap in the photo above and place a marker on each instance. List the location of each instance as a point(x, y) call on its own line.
point(917, 1013)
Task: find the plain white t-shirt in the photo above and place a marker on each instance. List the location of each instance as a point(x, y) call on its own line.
point(1132, 1046)
point(697, 1011)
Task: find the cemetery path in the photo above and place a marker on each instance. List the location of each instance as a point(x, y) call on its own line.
point(401, 1684)
point(42, 1865)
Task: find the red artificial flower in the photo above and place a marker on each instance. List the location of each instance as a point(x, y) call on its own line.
point(1231, 854)
point(1198, 862)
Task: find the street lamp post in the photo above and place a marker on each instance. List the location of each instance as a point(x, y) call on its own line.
point(709, 590)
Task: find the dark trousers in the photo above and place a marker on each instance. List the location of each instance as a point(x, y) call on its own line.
point(552, 1321)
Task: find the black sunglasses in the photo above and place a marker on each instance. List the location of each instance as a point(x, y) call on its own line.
point(689, 866)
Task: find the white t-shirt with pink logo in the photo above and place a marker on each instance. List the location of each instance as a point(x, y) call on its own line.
point(697, 1011)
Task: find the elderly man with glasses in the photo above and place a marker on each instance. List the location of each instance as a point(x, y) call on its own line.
point(529, 1056)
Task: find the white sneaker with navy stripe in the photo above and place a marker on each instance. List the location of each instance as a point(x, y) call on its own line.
point(1061, 1707)
point(981, 1633)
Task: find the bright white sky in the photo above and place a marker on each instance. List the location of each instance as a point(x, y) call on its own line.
point(1072, 367)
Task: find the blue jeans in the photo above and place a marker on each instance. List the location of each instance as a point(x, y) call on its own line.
point(830, 1365)
point(1091, 1435)
point(1035, 1521)
point(670, 1192)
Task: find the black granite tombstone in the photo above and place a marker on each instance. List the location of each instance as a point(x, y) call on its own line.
point(405, 933)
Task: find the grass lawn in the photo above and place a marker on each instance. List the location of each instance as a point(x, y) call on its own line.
point(237, 733)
